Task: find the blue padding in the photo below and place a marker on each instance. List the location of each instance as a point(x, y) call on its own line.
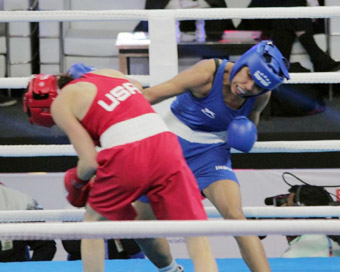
point(142, 265)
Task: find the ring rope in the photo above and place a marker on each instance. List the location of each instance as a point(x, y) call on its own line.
point(249, 212)
point(22, 82)
point(179, 14)
point(296, 146)
point(258, 13)
point(259, 147)
point(149, 229)
point(36, 150)
point(296, 78)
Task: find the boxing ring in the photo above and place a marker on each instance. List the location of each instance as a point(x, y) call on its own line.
point(51, 224)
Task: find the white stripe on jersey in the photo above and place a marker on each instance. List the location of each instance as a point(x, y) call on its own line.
point(185, 132)
point(132, 130)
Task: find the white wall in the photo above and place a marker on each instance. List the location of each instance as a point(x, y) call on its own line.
point(256, 185)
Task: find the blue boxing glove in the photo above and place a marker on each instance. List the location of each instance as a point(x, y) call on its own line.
point(241, 134)
point(78, 69)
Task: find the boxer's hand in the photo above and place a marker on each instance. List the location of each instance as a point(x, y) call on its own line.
point(78, 69)
point(78, 190)
point(241, 134)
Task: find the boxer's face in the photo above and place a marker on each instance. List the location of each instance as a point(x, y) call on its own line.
point(243, 84)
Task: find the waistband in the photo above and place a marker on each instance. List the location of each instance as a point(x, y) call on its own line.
point(132, 130)
point(180, 129)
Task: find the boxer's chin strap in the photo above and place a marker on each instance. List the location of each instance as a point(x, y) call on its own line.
point(254, 95)
point(243, 92)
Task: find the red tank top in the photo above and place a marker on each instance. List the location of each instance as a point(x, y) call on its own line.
point(117, 100)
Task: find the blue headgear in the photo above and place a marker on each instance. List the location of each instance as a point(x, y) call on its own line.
point(78, 69)
point(268, 67)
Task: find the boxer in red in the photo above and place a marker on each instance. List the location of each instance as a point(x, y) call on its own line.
point(138, 156)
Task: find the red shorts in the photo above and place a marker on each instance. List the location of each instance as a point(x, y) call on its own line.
point(154, 167)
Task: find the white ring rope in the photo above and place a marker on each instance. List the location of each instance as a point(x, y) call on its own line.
point(148, 229)
point(286, 212)
point(22, 82)
point(259, 147)
point(249, 212)
point(296, 78)
point(296, 146)
point(36, 150)
point(179, 14)
point(302, 78)
point(14, 82)
point(258, 13)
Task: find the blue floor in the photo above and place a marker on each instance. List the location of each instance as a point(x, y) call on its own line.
point(138, 265)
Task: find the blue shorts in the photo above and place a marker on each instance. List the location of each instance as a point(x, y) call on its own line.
point(208, 162)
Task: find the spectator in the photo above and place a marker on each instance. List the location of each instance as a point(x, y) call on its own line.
point(116, 249)
point(20, 251)
point(309, 245)
point(213, 28)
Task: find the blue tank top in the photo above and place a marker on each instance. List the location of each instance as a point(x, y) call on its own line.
point(210, 113)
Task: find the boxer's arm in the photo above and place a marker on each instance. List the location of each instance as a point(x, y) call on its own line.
point(194, 79)
point(63, 116)
point(138, 84)
point(260, 104)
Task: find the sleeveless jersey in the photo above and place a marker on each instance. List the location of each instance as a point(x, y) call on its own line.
point(209, 113)
point(201, 126)
point(117, 100)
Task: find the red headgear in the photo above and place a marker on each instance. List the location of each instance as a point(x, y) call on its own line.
point(41, 91)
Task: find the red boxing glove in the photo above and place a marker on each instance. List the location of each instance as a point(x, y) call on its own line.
point(78, 190)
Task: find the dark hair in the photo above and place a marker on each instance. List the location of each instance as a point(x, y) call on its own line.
point(310, 195)
point(64, 79)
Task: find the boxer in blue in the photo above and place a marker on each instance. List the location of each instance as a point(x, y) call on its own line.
point(217, 108)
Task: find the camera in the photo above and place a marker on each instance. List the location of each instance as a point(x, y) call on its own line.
point(277, 200)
